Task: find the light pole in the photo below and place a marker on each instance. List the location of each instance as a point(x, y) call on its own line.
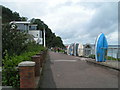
point(44, 37)
point(44, 34)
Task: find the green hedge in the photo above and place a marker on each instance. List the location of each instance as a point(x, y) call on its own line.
point(111, 58)
point(92, 56)
point(10, 73)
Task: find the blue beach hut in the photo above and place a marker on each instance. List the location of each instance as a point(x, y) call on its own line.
point(101, 47)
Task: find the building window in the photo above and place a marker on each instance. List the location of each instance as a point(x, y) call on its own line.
point(32, 27)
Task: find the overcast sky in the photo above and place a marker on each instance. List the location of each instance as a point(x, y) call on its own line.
point(74, 21)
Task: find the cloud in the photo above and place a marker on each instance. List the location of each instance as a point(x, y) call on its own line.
point(72, 20)
point(113, 37)
point(104, 20)
point(81, 23)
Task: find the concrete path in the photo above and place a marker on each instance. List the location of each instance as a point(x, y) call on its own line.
point(0, 77)
point(63, 71)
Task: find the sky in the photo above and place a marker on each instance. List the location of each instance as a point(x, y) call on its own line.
point(75, 21)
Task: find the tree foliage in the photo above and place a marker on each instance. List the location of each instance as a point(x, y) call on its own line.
point(13, 41)
point(8, 16)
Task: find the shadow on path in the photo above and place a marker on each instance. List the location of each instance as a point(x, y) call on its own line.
point(47, 80)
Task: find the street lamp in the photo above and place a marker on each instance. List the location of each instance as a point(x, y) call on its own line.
point(44, 34)
point(44, 37)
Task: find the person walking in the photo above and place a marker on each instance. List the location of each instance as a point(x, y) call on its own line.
point(58, 50)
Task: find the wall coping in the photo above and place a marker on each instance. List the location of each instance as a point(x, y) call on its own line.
point(35, 56)
point(26, 63)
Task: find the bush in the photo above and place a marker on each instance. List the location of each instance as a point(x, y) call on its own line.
point(111, 58)
point(13, 41)
point(16, 48)
point(92, 56)
point(10, 73)
point(107, 58)
point(62, 50)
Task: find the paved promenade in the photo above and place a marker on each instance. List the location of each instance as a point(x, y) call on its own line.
point(0, 77)
point(109, 63)
point(63, 71)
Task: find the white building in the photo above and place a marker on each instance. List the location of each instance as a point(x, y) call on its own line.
point(29, 28)
point(37, 35)
point(21, 25)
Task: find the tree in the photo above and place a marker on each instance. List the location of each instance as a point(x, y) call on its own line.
point(6, 15)
point(24, 18)
point(13, 41)
point(16, 16)
point(40, 24)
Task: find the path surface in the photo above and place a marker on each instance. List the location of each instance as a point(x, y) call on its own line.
point(0, 76)
point(63, 71)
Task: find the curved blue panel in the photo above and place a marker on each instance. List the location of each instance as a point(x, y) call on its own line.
point(101, 48)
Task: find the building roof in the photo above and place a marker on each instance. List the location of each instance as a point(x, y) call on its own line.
point(21, 22)
point(33, 24)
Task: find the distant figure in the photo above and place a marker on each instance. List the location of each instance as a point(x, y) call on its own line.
point(54, 49)
point(58, 49)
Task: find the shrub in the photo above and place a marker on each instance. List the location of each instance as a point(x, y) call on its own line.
point(13, 41)
point(10, 73)
point(16, 48)
point(107, 58)
point(111, 58)
point(92, 56)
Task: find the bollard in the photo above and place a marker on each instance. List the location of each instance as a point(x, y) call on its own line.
point(36, 59)
point(27, 74)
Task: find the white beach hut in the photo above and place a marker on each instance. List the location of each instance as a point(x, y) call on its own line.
point(80, 50)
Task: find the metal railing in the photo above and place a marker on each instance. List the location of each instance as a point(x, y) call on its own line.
point(114, 52)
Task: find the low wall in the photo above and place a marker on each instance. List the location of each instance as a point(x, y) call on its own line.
point(30, 71)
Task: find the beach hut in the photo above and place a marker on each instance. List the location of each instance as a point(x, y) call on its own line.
point(71, 49)
point(68, 50)
point(101, 47)
point(75, 48)
point(87, 50)
point(80, 49)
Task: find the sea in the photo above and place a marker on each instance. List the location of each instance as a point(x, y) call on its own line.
point(113, 51)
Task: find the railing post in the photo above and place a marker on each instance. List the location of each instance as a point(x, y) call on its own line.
point(27, 74)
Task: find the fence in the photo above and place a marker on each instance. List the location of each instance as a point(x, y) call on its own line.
point(112, 52)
